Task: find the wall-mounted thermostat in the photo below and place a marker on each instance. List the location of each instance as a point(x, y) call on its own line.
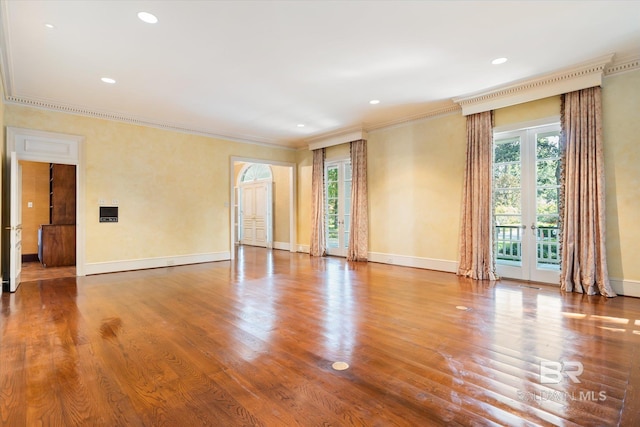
point(108, 214)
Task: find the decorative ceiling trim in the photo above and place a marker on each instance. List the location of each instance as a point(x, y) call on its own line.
point(579, 77)
point(337, 139)
point(136, 121)
point(623, 64)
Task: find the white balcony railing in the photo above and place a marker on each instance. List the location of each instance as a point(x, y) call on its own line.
point(508, 240)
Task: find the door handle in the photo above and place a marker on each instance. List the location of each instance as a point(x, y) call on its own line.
point(533, 226)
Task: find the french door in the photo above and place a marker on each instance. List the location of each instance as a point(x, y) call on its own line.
point(526, 191)
point(255, 214)
point(337, 178)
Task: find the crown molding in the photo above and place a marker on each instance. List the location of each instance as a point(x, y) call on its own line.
point(623, 64)
point(81, 111)
point(581, 76)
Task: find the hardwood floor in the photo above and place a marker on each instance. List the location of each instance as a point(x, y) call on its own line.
point(35, 271)
point(252, 342)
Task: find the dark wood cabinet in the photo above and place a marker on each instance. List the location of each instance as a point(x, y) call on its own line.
point(62, 196)
point(57, 240)
point(57, 245)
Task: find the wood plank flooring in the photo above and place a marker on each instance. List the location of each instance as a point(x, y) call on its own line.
point(252, 342)
point(35, 271)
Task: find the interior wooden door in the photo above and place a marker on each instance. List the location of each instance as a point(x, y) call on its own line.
point(255, 214)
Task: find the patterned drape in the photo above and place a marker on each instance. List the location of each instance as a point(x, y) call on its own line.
point(582, 240)
point(476, 235)
point(318, 245)
point(358, 248)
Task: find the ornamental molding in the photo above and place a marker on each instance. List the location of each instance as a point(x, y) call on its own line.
point(336, 138)
point(623, 64)
point(584, 75)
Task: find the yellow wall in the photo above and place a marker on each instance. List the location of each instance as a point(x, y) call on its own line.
point(171, 187)
point(35, 190)
point(621, 130)
point(415, 176)
point(280, 203)
point(534, 110)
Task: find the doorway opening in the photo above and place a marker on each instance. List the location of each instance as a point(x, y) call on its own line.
point(255, 205)
point(337, 179)
point(48, 210)
point(67, 151)
point(263, 204)
point(526, 201)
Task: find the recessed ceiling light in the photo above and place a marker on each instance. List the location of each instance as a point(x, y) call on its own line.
point(499, 61)
point(108, 80)
point(147, 17)
point(374, 101)
point(49, 25)
point(301, 125)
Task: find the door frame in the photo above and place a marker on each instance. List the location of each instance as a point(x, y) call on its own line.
point(341, 251)
point(528, 269)
point(50, 147)
point(233, 199)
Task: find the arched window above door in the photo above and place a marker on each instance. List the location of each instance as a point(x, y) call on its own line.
point(256, 172)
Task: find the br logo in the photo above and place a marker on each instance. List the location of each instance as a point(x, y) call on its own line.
point(553, 372)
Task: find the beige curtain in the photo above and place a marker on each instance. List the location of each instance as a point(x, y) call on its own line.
point(476, 235)
point(318, 246)
point(358, 248)
point(582, 239)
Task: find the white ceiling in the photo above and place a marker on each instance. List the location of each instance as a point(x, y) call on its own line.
point(254, 70)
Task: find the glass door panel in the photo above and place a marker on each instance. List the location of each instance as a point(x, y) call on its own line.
point(338, 205)
point(526, 187)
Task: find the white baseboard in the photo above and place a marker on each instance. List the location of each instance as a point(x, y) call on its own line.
point(303, 248)
point(417, 262)
point(628, 288)
point(141, 264)
point(281, 245)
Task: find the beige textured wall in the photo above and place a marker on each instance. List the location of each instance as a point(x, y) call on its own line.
point(171, 187)
point(35, 189)
point(415, 176)
point(621, 130)
point(280, 203)
point(534, 110)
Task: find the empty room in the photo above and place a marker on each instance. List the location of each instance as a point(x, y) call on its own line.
point(280, 213)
